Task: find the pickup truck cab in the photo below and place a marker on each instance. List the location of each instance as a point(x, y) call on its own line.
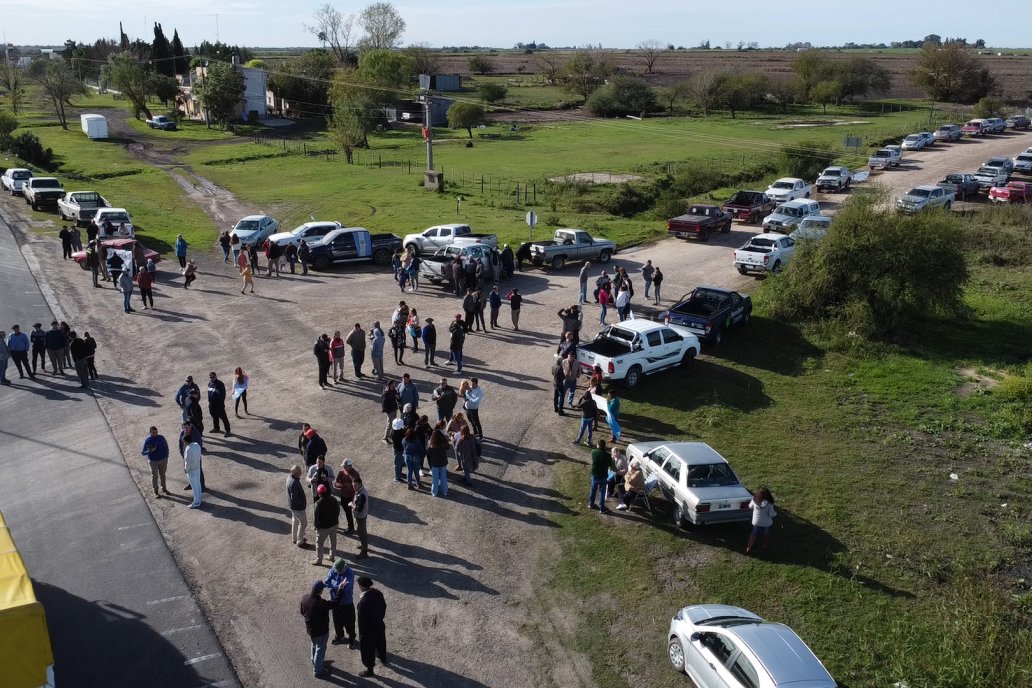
point(14, 179)
point(1005, 164)
point(948, 132)
point(571, 244)
point(884, 158)
point(81, 206)
point(1013, 192)
point(995, 125)
point(749, 206)
point(709, 312)
point(630, 349)
point(352, 245)
point(163, 122)
point(1022, 162)
point(764, 253)
point(437, 268)
point(118, 219)
point(988, 177)
point(1018, 122)
point(39, 191)
point(309, 231)
point(834, 179)
point(439, 236)
point(925, 198)
point(961, 184)
point(811, 228)
point(975, 127)
point(700, 221)
point(788, 215)
point(788, 189)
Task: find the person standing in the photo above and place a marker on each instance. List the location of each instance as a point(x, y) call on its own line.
point(558, 386)
point(589, 409)
point(91, 353)
point(429, 336)
point(115, 265)
point(217, 403)
point(273, 251)
point(623, 303)
point(494, 300)
point(613, 415)
point(571, 370)
point(189, 274)
point(458, 275)
point(457, 341)
point(582, 277)
point(319, 474)
point(413, 450)
point(155, 448)
point(234, 245)
point(398, 341)
point(389, 405)
point(474, 397)
point(522, 254)
point(290, 252)
point(508, 262)
point(321, 349)
point(446, 399)
point(515, 303)
point(79, 353)
point(248, 278)
point(93, 262)
point(601, 462)
point(316, 612)
point(297, 502)
point(224, 242)
point(303, 251)
point(188, 434)
point(5, 355)
point(66, 351)
point(479, 302)
point(397, 442)
point(125, 284)
point(145, 281)
point(180, 248)
point(39, 347)
point(372, 632)
point(408, 392)
point(66, 242)
point(604, 299)
point(240, 384)
point(252, 256)
point(437, 458)
point(414, 329)
point(337, 351)
point(360, 506)
point(344, 483)
point(315, 448)
point(647, 273)
point(469, 308)
point(192, 467)
point(18, 345)
point(377, 339)
point(657, 280)
point(185, 391)
point(75, 236)
point(356, 340)
point(341, 583)
point(763, 513)
point(326, 518)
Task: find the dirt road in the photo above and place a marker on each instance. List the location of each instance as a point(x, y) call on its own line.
point(459, 573)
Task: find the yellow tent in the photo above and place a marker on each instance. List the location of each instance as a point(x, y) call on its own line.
point(25, 655)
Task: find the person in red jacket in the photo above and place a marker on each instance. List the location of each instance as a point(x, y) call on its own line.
point(145, 281)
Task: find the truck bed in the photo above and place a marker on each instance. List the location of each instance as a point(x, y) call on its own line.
point(698, 308)
point(606, 347)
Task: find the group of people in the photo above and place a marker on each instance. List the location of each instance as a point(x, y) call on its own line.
point(618, 290)
point(370, 612)
point(61, 345)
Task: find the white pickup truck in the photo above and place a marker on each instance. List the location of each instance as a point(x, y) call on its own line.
point(988, 177)
point(42, 191)
point(886, 157)
point(439, 236)
point(81, 206)
point(627, 350)
point(14, 179)
point(764, 253)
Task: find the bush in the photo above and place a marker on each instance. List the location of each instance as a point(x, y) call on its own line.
point(877, 272)
point(623, 95)
point(27, 147)
point(990, 106)
point(806, 159)
point(627, 200)
point(8, 123)
point(478, 64)
point(493, 92)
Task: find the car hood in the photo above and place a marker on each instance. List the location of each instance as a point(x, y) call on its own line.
point(281, 236)
point(913, 200)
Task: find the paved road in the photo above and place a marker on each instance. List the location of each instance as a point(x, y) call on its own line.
point(119, 610)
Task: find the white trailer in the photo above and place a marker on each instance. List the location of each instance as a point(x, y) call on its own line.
point(95, 126)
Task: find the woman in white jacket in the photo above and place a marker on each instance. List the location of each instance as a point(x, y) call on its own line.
point(763, 514)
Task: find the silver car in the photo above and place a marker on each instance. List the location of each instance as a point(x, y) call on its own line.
point(255, 229)
point(719, 646)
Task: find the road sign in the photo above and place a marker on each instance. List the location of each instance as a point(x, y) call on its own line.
point(531, 219)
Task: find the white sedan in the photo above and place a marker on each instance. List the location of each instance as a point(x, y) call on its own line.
point(696, 479)
point(914, 142)
point(254, 229)
point(719, 646)
point(309, 231)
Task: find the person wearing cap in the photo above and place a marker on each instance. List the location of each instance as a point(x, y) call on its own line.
point(326, 518)
point(297, 502)
point(320, 474)
point(397, 440)
point(515, 299)
point(457, 341)
point(39, 347)
point(408, 393)
point(185, 391)
point(360, 505)
point(345, 486)
point(372, 632)
point(315, 448)
point(446, 398)
point(341, 583)
point(429, 336)
point(508, 262)
point(316, 612)
point(18, 345)
point(217, 402)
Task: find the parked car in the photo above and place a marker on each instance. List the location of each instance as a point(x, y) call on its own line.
point(929, 138)
point(630, 349)
point(120, 220)
point(764, 253)
point(925, 198)
point(697, 481)
point(884, 158)
point(995, 125)
point(353, 245)
point(700, 221)
point(788, 215)
point(163, 122)
point(1023, 162)
point(571, 244)
point(749, 206)
point(720, 646)
point(834, 179)
point(439, 236)
point(81, 206)
point(788, 189)
point(811, 228)
point(1014, 192)
point(914, 142)
point(708, 312)
point(254, 229)
point(122, 244)
point(988, 177)
point(437, 268)
point(961, 184)
point(309, 231)
point(1019, 122)
point(1002, 163)
point(14, 178)
point(39, 191)
point(975, 127)
point(948, 132)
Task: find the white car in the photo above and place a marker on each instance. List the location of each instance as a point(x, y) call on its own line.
point(696, 479)
point(914, 142)
point(255, 229)
point(719, 646)
point(14, 179)
point(811, 228)
point(309, 231)
point(788, 189)
point(929, 137)
point(1023, 162)
point(626, 351)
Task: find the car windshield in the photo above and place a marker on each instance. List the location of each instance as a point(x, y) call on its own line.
point(711, 475)
point(1025, 158)
point(787, 211)
point(47, 184)
point(760, 242)
point(782, 185)
point(832, 172)
point(621, 334)
point(919, 193)
point(882, 154)
point(913, 137)
point(954, 178)
point(247, 226)
point(995, 162)
point(21, 174)
point(116, 217)
point(814, 223)
point(987, 170)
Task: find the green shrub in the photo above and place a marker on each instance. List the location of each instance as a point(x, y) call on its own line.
point(806, 159)
point(27, 147)
point(8, 123)
point(492, 92)
point(627, 200)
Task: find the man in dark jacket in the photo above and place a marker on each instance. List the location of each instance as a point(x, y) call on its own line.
point(522, 254)
point(79, 353)
point(155, 448)
point(186, 390)
point(316, 611)
point(39, 348)
point(558, 386)
point(588, 409)
point(458, 340)
point(66, 242)
point(469, 307)
point(217, 402)
point(429, 342)
point(372, 632)
point(93, 263)
point(325, 520)
point(446, 398)
point(297, 502)
point(508, 262)
point(55, 342)
point(315, 448)
point(458, 276)
point(322, 357)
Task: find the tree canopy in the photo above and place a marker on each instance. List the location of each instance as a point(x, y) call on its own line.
point(219, 91)
point(465, 116)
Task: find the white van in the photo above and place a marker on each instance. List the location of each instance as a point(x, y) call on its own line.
point(95, 126)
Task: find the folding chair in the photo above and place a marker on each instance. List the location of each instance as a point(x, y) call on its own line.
point(651, 483)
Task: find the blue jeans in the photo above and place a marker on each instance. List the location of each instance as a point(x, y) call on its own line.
point(439, 481)
point(557, 401)
point(648, 285)
point(456, 354)
point(602, 319)
point(598, 484)
point(319, 652)
point(656, 294)
point(412, 466)
point(586, 424)
point(571, 389)
point(399, 464)
point(127, 297)
point(583, 297)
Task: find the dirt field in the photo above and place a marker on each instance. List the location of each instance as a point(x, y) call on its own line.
point(459, 573)
point(1011, 72)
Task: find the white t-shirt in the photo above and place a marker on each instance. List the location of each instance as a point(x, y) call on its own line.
point(763, 513)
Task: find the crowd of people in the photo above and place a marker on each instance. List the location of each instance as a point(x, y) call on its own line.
point(60, 345)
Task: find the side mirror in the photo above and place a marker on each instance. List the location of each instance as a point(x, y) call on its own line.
point(697, 637)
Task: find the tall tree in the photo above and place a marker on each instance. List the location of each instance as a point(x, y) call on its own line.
point(584, 72)
point(649, 51)
point(161, 53)
point(550, 64)
point(12, 80)
point(738, 92)
point(219, 92)
point(785, 90)
point(347, 130)
point(465, 116)
point(383, 26)
point(811, 66)
point(951, 73)
point(333, 29)
point(672, 95)
point(305, 79)
point(128, 74)
point(704, 90)
point(58, 83)
point(423, 58)
point(180, 65)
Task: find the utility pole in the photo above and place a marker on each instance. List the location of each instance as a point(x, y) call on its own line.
point(217, 40)
point(432, 179)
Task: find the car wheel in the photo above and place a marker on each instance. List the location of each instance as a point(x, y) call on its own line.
point(727, 227)
point(321, 262)
point(35, 206)
point(412, 247)
point(558, 263)
point(633, 377)
point(676, 654)
point(704, 236)
point(742, 271)
point(717, 337)
point(680, 519)
point(688, 360)
point(83, 265)
point(382, 256)
point(777, 267)
point(604, 256)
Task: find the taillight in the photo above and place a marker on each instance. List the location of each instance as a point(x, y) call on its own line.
point(743, 505)
point(709, 326)
point(702, 508)
point(666, 320)
point(612, 368)
point(766, 259)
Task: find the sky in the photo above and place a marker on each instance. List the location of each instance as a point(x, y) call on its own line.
point(611, 23)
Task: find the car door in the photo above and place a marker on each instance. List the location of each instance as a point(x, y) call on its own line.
point(737, 307)
point(584, 243)
point(787, 246)
point(654, 350)
point(672, 344)
point(670, 478)
point(433, 237)
point(706, 658)
point(343, 247)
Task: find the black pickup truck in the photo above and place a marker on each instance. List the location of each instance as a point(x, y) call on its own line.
point(709, 311)
point(749, 206)
point(352, 245)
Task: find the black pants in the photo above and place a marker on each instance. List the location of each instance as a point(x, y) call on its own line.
point(557, 398)
point(474, 420)
point(92, 365)
point(236, 406)
point(218, 412)
point(344, 622)
point(21, 359)
point(479, 319)
point(358, 358)
point(40, 353)
point(66, 249)
point(147, 294)
point(349, 513)
point(182, 261)
point(324, 369)
point(429, 351)
point(363, 535)
point(399, 355)
point(372, 643)
point(494, 317)
point(468, 323)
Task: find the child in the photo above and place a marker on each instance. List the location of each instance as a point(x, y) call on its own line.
point(763, 514)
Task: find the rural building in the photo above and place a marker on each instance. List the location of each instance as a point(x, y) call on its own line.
point(412, 111)
point(253, 101)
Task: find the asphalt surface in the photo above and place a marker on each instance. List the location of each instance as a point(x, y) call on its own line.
point(119, 611)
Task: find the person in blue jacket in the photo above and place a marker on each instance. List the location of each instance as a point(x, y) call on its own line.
point(341, 584)
point(155, 448)
point(181, 247)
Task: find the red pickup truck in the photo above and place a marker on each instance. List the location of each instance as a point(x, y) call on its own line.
point(1014, 192)
point(749, 206)
point(700, 221)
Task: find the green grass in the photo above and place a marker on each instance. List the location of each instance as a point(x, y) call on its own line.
point(191, 130)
